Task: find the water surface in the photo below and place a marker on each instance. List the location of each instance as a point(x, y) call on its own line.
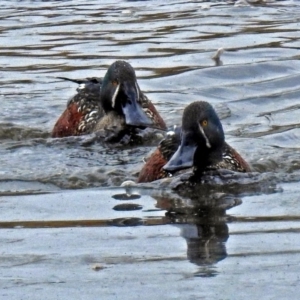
point(247, 251)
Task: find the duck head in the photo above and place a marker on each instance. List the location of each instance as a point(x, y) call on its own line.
point(120, 93)
point(202, 139)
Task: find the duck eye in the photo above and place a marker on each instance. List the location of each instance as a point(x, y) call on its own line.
point(114, 82)
point(204, 123)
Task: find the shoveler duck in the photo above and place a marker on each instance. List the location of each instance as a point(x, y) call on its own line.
point(199, 143)
point(114, 101)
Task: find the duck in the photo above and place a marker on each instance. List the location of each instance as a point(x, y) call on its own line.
point(199, 143)
point(114, 101)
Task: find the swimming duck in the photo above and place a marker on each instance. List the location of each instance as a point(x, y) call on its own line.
point(114, 101)
point(199, 143)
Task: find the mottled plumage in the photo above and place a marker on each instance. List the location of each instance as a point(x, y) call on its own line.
point(199, 143)
point(115, 101)
point(83, 110)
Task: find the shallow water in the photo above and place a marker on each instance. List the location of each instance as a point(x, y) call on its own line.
point(256, 90)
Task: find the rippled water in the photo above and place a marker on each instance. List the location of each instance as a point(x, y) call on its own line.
point(255, 88)
point(170, 45)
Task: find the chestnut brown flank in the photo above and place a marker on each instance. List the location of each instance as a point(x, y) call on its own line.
point(152, 170)
point(68, 122)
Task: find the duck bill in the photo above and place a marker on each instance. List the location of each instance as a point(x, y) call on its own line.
point(134, 114)
point(183, 158)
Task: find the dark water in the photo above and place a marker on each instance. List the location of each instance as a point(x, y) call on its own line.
point(157, 236)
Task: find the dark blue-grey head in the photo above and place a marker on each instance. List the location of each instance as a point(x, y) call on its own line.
point(120, 93)
point(202, 139)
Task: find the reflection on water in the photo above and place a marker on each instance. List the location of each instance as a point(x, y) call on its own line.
point(159, 234)
point(206, 246)
point(202, 220)
point(229, 228)
point(205, 235)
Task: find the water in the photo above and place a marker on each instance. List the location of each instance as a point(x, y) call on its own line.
point(249, 251)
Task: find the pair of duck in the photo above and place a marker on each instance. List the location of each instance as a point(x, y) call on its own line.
point(116, 103)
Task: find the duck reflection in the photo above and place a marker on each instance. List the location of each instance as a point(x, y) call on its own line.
point(206, 243)
point(203, 224)
point(199, 210)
